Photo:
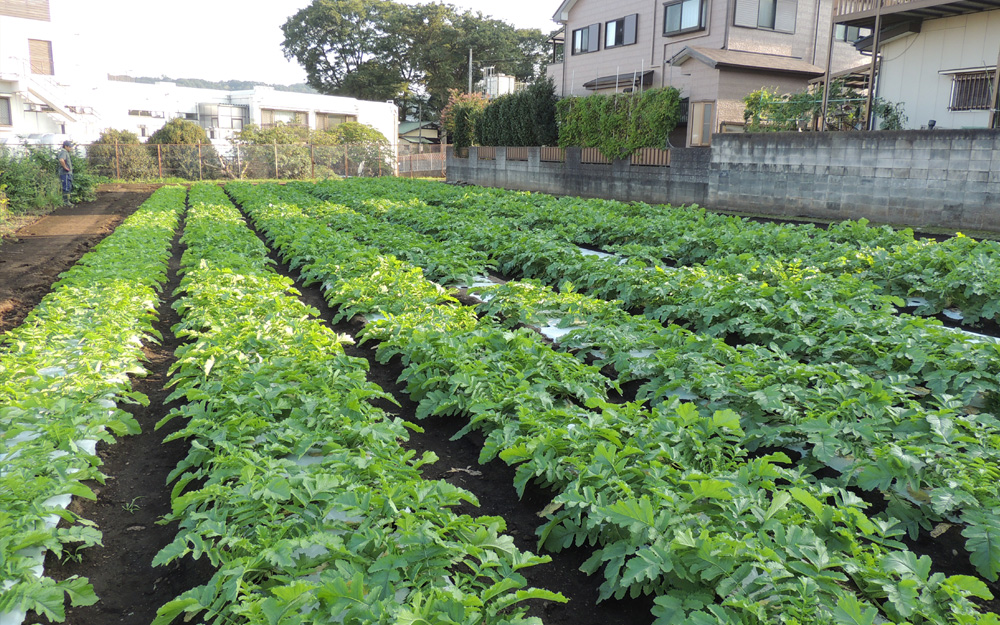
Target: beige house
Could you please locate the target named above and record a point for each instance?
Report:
(714, 51)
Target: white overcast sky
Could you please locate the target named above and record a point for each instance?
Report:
(211, 39)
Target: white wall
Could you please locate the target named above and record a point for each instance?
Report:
(911, 65)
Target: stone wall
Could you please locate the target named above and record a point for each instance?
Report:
(933, 178)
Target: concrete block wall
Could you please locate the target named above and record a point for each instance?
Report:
(684, 182)
(934, 178)
(921, 178)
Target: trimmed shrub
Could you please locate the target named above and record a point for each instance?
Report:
(526, 118)
(619, 124)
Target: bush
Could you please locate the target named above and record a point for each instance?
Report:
(619, 124)
(30, 179)
(119, 154)
(526, 118)
(185, 151)
(460, 115)
(766, 111)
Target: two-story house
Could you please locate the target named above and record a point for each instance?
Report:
(714, 51)
(939, 58)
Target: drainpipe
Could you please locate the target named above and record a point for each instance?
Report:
(876, 42)
(729, 8)
(816, 29)
(652, 44)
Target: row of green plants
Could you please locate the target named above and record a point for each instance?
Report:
(64, 373)
(668, 494)
(859, 407)
(959, 272)
(785, 305)
(296, 488)
(29, 179)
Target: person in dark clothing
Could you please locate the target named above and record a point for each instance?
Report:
(66, 170)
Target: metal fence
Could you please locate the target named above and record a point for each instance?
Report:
(122, 161)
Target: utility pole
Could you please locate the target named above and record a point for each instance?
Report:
(995, 97)
(470, 70)
(826, 78)
(876, 42)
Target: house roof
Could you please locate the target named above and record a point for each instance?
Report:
(405, 127)
(562, 13)
(725, 59)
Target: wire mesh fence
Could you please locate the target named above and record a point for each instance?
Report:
(120, 161)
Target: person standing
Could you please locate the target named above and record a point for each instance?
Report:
(66, 170)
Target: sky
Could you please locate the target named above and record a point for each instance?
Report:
(212, 39)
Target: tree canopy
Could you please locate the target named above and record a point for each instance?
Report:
(384, 50)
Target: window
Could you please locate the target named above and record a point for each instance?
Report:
(970, 91)
(620, 32)
(274, 117)
(776, 15)
(684, 16)
(329, 121)
(587, 39)
(850, 34)
(40, 56)
(5, 118)
(701, 123)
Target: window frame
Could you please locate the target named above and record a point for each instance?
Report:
(593, 40)
(705, 139)
(702, 18)
(961, 87)
(783, 15)
(842, 32)
(323, 120)
(10, 113)
(40, 59)
(622, 24)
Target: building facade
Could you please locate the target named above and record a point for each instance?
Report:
(714, 51)
(938, 58)
(44, 99)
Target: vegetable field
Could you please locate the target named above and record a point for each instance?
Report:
(715, 420)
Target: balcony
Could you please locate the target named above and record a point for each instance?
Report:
(862, 12)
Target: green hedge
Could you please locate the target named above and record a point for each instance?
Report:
(619, 124)
(526, 118)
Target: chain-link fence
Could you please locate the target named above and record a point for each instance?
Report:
(120, 161)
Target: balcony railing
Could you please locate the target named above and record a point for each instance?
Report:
(847, 7)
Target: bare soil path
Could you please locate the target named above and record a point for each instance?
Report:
(32, 259)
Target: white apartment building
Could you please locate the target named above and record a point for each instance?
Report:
(42, 104)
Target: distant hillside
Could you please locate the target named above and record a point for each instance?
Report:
(227, 85)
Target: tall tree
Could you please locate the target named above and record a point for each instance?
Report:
(379, 49)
